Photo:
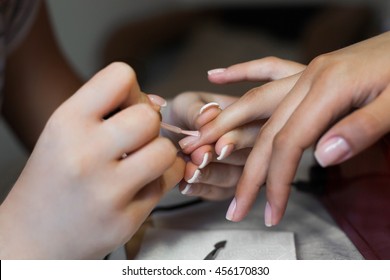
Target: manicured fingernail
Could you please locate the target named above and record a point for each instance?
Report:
(194, 177)
(208, 105)
(268, 215)
(187, 190)
(205, 160)
(226, 150)
(185, 142)
(231, 210)
(333, 151)
(216, 71)
(158, 100)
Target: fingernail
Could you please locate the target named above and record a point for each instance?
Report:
(268, 215)
(187, 190)
(158, 100)
(205, 160)
(216, 71)
(231, 210)
(194, 177)
(208, 105)
(226, 150)
(183, 143)
(332, 151)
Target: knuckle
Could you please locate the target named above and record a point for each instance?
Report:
(271, 60)
(281, 140)
(146, 112)
(123, 67)
(168, 150)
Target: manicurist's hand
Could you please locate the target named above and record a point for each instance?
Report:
(97, 171)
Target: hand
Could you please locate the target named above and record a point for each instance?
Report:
(79, 196)
(206, 175)
(342, 99)
(259, 103)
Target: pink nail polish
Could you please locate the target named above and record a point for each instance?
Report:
(158, 100)
(231, 210)
(268, 215)
(333, 151)
(187, 141)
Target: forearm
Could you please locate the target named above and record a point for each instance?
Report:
(38, 80)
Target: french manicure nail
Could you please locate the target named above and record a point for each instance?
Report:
(231, 210)
(158, 100)
(216, 71)
(226, 150)
(205, 160)
(187, 190)
(268, 215)
(194, 177)
(333, 151)
(185, 142)
(208, 105)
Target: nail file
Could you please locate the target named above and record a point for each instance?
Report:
(178, 130)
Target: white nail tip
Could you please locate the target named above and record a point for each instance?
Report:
(187, 189)
(223, 153)
(208, 105)
(216, 71)
(205, 161)
(194, 177)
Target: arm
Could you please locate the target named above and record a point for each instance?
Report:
(38, 80)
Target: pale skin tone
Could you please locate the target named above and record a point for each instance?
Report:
(339, 103)
(78, 197)
(77, 165)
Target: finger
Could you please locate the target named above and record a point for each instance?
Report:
(265, 69)
(217, 174)
(208, 192)
(204, 155)
(237, 139)
(152, 192)
(257, 166)
(193, 109)
(268, 95)
(356, 132)
(324, 103)
(108, 90)
(145, 165)
(130, 129)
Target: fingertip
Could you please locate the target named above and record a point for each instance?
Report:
(332, 151)
(225, 151)
(157, 100)
(216, 72)
(268, 215)
(217, 75)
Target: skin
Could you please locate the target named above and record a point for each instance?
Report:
(340, 95)
(81, 143)
(82, 151)
(218, 178)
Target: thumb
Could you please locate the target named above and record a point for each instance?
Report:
(355, 132)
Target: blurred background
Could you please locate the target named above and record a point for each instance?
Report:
(173, 43)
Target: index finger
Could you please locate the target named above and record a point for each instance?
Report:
(245, 110)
